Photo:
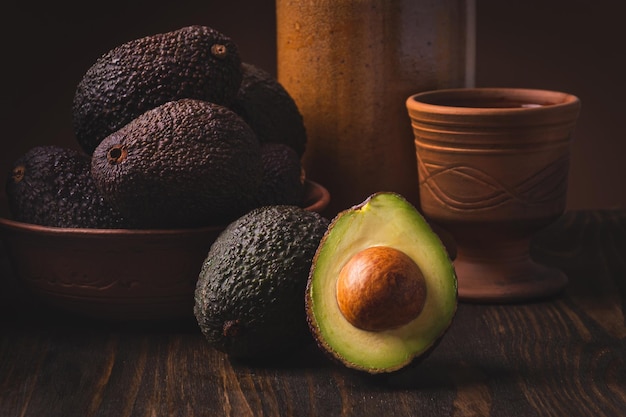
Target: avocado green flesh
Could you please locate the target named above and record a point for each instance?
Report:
(385, 219)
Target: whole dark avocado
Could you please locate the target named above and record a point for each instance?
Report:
(191, 62)
(269, 109)
(52, 186)
(282, 181)
(249, 298)
(186, 163)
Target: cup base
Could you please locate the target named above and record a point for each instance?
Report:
(487, 282)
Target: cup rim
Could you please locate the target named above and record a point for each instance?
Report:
(529, 100)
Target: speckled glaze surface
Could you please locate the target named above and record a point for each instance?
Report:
(117, 274)
(493, 166)
(350, 65)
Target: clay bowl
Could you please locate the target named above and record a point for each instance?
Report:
(117, 274)
(493, 166)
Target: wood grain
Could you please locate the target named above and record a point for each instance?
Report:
(564, 356)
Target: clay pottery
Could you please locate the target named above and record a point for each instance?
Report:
(116, 274)
(349, 65)
(493, 166)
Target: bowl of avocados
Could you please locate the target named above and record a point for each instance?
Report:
(176, 137)
(119, 274)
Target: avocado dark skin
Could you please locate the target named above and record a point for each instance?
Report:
(282, 176)
(249, 299)
(186, 163)
(269, 109)
(52, 186)
(191, 62)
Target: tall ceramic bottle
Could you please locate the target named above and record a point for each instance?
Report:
(350, 66)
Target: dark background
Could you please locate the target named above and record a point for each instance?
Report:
(574, 46)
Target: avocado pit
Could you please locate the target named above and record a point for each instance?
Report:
(380, 288)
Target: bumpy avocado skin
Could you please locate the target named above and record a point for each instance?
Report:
(383, 219)
(52, 186)
(186, 163)
(249, 295)
(191, 62)
(282, 181)
(269, 109)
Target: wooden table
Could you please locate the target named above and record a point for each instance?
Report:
(560, 357)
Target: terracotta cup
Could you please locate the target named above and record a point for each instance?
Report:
(493, 166)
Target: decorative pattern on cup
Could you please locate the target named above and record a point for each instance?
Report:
(460, 186)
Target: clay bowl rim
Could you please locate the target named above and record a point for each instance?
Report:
(432, 102)
(317, 192)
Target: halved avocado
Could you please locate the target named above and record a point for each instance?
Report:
(382, 289)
